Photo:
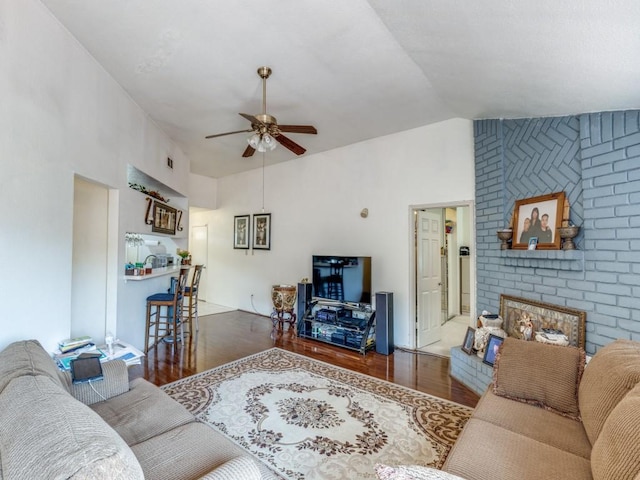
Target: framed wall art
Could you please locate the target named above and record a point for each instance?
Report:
(538, 217)
(262, 231)
(241, 231)
(531, 320)
(164, 218)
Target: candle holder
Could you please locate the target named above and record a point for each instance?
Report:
(505, 236)
(567, 234)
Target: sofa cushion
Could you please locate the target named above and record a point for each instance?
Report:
(244, 468)
(521, 373)
(616, 453)
(535, 423)
(27, 357)
(412, 472)
(484, 450)
(143, 412)
(46, 433)
(186, 452)
(612, 372)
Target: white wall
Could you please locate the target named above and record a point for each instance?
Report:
(61, 114)
(202, 191)
(90, 254)
(315, 202)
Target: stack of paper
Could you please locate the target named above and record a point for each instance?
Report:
(123, 351)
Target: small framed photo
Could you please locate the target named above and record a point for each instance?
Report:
(491, 350)
(262, 231)
(533, 243)
(241, 231)
(467, 345)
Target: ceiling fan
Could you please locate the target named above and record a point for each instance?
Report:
(265, 127)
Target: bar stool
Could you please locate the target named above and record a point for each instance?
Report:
(169, 322)
(190, 312)
(335, 283)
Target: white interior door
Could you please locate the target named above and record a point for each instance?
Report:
(429, 300)
(199, 246)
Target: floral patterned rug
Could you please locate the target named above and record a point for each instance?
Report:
(307, 419)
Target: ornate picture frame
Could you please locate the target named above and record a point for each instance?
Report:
(538, 217)
(164, 219)
(520, 314)
(241, 231)
(469, 337)
(262, 231)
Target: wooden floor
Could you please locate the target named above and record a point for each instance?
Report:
(225, 337)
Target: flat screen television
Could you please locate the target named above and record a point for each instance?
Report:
(344, 279)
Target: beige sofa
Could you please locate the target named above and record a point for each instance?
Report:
(546, 416)
(53, 429)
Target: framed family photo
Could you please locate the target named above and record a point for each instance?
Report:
(491, 350)
(467, 345)
(523, 319)
(262, 231)
(538, 217)
(164, 219)
(241, 231)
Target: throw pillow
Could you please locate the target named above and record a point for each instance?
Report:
(412, 472)
(540, 374)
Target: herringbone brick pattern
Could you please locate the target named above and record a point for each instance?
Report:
(542, 155)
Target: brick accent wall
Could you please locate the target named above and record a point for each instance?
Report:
(595, 160)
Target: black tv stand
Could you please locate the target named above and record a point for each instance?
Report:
(346, 325)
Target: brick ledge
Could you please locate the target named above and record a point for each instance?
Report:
(572, 260)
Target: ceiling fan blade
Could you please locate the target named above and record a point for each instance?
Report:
(249, 151)
(290, 144)
(298, 129)
(228, 133)
(251, 118)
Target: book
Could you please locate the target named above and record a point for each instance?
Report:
(75, 341)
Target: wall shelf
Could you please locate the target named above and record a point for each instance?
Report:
(572, 260)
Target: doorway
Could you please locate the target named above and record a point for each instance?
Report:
(443, 275)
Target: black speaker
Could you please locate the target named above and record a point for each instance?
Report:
(384, 323)
(304, 299)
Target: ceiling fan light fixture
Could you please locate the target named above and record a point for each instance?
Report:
(268, 141)
(254, 140)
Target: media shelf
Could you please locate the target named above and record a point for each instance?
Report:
(340, 324)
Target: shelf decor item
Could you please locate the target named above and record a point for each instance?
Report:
(567, 234)
(505, 235)
(467, 345)
(284, 299)
(185, 256)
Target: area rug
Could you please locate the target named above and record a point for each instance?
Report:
(307, 419)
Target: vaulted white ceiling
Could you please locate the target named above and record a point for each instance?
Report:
(356, 69)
